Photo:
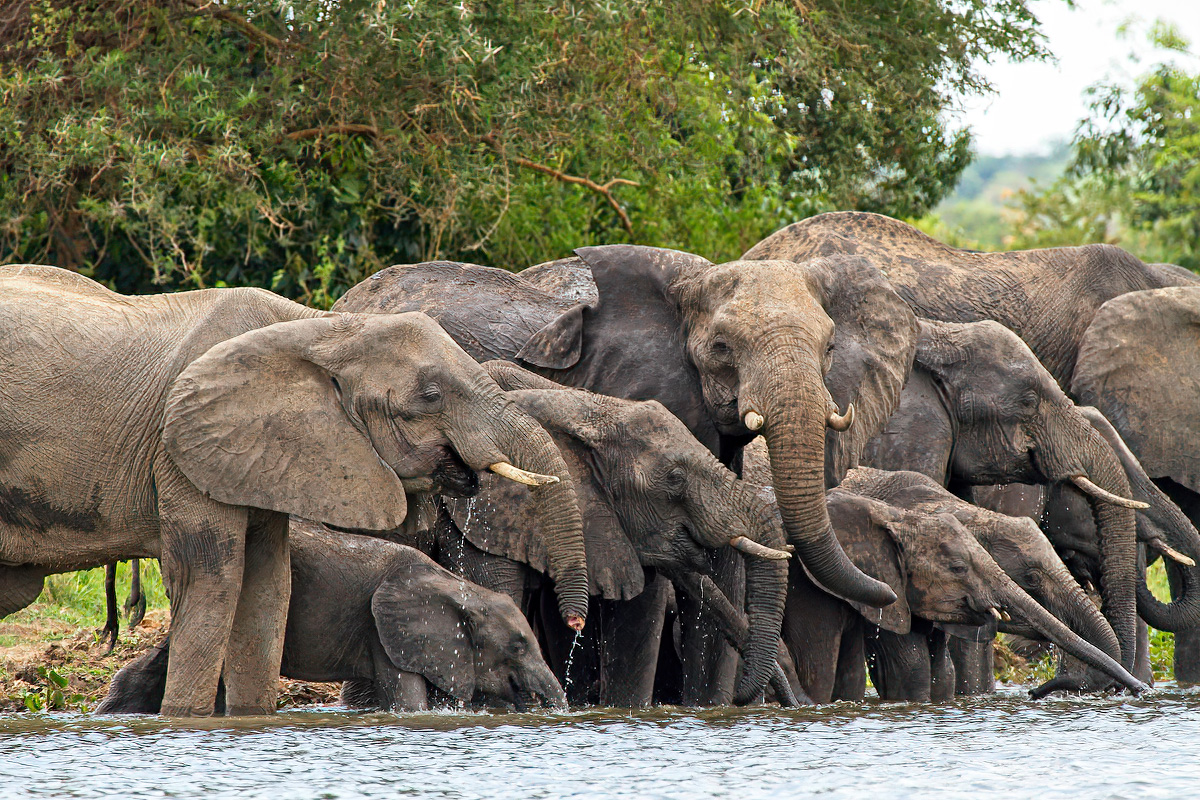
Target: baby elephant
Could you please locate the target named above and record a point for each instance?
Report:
(400, 630)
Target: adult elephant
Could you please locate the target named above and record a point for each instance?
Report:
(383, 618)
(731, 349)
(1047, 297)
(654, 502)
(187, 427)
(980, 409)
(1139, 364)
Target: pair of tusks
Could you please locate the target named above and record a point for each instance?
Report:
(839, 422)
(1170, 552)
(1087, 487)
(753, 548)
(507, 470)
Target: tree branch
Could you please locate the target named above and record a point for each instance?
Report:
(603, 189)
(324, 130)
(241, 23)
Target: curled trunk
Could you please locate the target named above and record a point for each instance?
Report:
(794, 408)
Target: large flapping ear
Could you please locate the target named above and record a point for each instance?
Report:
(874, 339)
(863, 527)
(632, 289)
(257, 421)
(1139, 364)
(424, 627)
(501, 519)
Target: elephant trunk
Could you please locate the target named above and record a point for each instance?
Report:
(1165, 523)
(1068, 602)
(1116, 528)
(794, 409)
(766, 593)
(528, 446)
(1014, 599)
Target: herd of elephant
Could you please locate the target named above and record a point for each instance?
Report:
(631, 476)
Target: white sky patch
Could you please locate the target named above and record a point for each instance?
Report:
(1036, 104)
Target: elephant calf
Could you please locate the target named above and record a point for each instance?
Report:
(400, 631)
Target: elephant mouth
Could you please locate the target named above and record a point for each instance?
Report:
(452, 477)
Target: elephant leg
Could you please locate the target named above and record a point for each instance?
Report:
(20, 586)
(135, 604)
(813, 626)
(395, 689)
(1187, 641)
(629, 645)
(256, 639)
(900, 665)
(851, 680)
(710, 664)
(974, 666)
(572, 657)
(941, 671)
(112, 625)
(203, 554)
(1141, 663)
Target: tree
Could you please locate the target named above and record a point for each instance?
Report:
(1134, 175)
(303, 145)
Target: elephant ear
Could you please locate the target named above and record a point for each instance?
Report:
(633, 307)
(874, 340)
(500, 520)
(256, 421)
(425, 628)
(1139, 364)
(864, 529)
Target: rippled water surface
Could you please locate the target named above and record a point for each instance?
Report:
(1002, 745)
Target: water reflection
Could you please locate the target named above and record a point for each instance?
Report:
(998, 746)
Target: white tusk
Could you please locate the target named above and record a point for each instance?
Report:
(1087, 487)
(506, 470)
(1170, 552)
(996, 613)
(753, 548)
(753, 420)
(840, 422)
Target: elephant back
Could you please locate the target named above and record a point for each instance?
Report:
(489, 312)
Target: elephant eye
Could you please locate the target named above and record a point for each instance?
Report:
(337, 387)
(675, 481)
(958, 568)
(431, 393)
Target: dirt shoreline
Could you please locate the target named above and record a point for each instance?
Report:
(54, 666)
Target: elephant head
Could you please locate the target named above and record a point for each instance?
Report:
(338, 417)
(651, 496)
(744, 347)
(471, 643)
(981, 409)
(1016, 544)
(944, 574)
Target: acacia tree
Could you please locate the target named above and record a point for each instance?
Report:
(303, 145)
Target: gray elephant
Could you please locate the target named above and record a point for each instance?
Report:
(1016, 571)
(731, 349)
(402, 632)
(1139, 364)
(655, 504)
(187, 427)
(979, 409)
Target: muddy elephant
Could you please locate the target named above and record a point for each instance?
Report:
(187, 427)
(980, 409)
(402, 632)
(1139, 364)
(656, 504)
(1048, 297)
(731, 349)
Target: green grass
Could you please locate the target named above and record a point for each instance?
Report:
(77, 598)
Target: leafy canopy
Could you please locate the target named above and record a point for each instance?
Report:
(1134, 175)
(303, 145)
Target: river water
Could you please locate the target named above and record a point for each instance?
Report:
(999, 746)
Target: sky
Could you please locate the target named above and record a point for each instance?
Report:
(1036, 104)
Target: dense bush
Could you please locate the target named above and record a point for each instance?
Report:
(302, 145)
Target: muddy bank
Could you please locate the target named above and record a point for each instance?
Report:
(50, 665)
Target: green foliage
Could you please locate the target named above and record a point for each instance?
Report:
(77, 598)
(300, 146)
(52, 694)
(1134, 178)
